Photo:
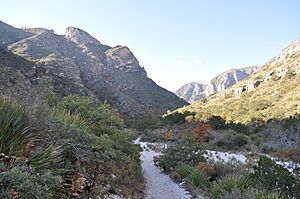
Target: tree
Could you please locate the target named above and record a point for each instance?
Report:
(202, 131)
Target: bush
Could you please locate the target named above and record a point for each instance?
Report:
(222, 169)
(273, 177)
(181, 153)
(250, 194)
(199, 179)
(28, 184)
(228, 184)
(184, 170)
(177, 118)
(95, 145)
(229, 139)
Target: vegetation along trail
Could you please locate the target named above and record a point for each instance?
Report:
(159, 185)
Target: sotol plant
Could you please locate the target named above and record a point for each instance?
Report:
(14, 134)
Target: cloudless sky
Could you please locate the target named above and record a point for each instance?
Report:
(176, 41)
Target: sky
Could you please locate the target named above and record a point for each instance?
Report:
(177, 42)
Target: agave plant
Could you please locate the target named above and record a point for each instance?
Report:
(14, 133)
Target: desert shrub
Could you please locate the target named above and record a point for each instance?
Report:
(194, 176)
(95, 145)
(184, 170)
(217, 122)
(26, 183)
(273, 177)
(147, 122)
(199, 179)
(222, 169)
(176, 117)
(229, 139)
(100, 116)
(228, 184)
(240, 140)
(251, 194)
(183, 152)
(52, 99)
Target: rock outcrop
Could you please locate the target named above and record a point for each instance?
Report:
(193, 92)
(79, 36)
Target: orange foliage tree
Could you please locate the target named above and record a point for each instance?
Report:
(202, 131)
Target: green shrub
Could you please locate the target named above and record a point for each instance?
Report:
(273, 177)
(250, 194)
(183, 152)
(28, 183)
(267, 195)
(184, 170)
(177, 118)
(228, 184)
(221, 169)
(230, 139)
(199, 179)
(240, 140)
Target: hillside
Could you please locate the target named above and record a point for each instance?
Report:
(272, 92)
(77, 63)
(193, 92)
(9, 34)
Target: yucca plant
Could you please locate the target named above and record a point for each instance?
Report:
(44, 159)
(70, 120)
(228, 184)
(14, 130)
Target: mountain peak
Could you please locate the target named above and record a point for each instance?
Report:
(122, 57)
(79, 36)
(194, 91)
(289, 51)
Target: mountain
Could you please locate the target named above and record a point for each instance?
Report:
(77, 63)
(9, 34)
(193, 91)
(272, 92)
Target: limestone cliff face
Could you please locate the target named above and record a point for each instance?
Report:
(78, 63)
(79, 36)
(193, 92)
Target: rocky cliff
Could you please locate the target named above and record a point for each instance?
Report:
(193, 92)
(77, 63)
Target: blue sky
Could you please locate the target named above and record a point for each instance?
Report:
(176, 41)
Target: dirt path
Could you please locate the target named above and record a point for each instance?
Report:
(159, 185)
